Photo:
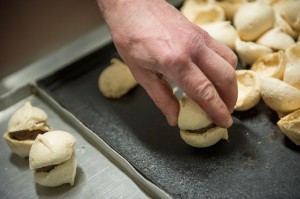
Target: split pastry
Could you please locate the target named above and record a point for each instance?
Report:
(116, 80)
(276, 39)
(292, 71)
(248, 90)
(53, 159)
(279, 95)
(290, 13)
(253, 19)
(23, 127)
(196, 128)
(290, 126)
(270, 65)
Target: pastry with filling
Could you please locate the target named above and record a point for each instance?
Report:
(116, 80)
(53, 159)
(23, 127)
(196, 128)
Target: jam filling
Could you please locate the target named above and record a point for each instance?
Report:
(202, 130)
(25, 134)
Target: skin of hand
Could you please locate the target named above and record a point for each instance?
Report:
(155, 40)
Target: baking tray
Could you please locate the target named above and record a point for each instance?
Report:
(97, 176)
(258, 161)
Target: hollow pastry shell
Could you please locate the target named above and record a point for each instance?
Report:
(292, 71)
(248, 90)
(290, 126)
(270, 65)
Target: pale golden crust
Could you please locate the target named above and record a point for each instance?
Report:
(201, 140)
(248, 89)
(196, 128)
(270, 65)
(116, 80)
(290, 126)
(279, 95)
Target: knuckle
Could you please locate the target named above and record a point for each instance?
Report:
(207, 92)
(233, 60)
(230, 76)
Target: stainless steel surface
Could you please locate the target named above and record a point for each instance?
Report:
(97, 177)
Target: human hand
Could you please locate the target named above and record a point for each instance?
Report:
(155, 40)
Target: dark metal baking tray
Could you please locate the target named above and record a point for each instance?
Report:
(258, 161)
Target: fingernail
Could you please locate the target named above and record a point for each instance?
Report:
(231, 111)
(171, 120)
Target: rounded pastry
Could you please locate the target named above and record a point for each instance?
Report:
(292, 71)
(222, 31)
(52, 157)
(249, 52)
(270, 65)
(253, 19)
(276, 39)
(230, 7)
(290, 126)
(279, 95)
(116, 80)
(280, 22)
(196, 128)
(290, 13)
(23, 127)
(248, 89)
(61, 174)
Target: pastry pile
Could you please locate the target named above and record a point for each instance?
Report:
(51, 153)
(265, 34)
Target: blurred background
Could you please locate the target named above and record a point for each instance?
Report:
(32, 29)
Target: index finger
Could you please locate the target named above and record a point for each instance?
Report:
(198, 87)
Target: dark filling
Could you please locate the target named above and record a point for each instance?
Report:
(202, 130)
(25, 134)
(46, 169)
